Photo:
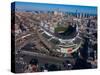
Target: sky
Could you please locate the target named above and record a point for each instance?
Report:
(49, 7)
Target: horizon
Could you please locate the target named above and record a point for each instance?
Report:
(55, 7)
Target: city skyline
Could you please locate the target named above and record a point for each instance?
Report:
(58, 7)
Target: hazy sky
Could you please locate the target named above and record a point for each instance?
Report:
(68, 8)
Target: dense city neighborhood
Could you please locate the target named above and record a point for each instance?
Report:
(54, 40)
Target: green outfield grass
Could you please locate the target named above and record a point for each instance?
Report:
(60, 29)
